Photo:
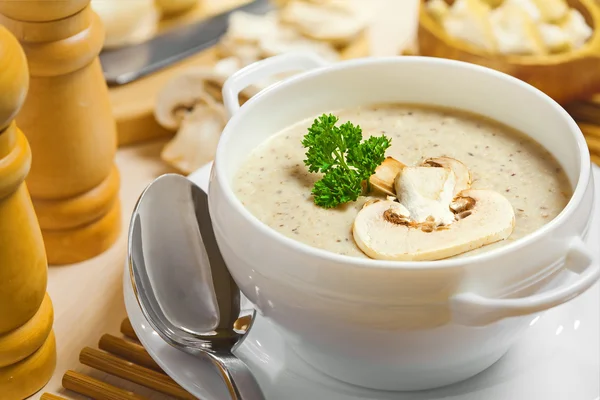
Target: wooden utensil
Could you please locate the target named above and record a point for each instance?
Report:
(127, 370)
(96, 389)
(127, 330)
(50, 396)
(128, 350)
(564, 77)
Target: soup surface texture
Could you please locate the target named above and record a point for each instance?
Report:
(275, 186)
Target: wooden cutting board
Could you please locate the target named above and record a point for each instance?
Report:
(133, 103)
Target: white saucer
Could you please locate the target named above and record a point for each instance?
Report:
(558, 358)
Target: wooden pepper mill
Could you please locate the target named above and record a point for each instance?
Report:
(68, 121)
(27, 345)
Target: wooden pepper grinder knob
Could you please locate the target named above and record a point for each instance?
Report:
(27, 345)
(68, 121)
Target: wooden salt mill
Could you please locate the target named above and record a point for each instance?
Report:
(68, 121)
(27, 345)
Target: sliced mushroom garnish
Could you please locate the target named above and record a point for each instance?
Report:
(491, 219)
(196, 141)
(463, 176)
(427, 193)
(385, 175)
(337, 22)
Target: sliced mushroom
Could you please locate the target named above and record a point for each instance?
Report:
(462, 173)
(491, 219)
(287, 40)
(246, 53)
(182, 93)
(250, 28)
(196, 141)
(427, 193)
(332, 21)
(385, 174)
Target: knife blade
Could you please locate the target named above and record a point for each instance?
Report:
(127, 64)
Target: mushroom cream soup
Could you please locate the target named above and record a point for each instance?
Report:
(505, 166)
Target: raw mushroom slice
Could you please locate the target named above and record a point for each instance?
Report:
(196, 141)
(462, 173)
(427, 193)
(250, 28)
(334, 21)
(382, 232)
(213, 85)
(227, 66)
(192, 86)
(385, 175)
(247, 53)
(182, 93)
(287, 40)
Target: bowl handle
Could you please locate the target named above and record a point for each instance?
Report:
(475, 310)
(264, 69)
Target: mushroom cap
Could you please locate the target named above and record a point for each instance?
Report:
(492, 219)
(196, 141)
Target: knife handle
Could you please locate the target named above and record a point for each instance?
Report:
(260, 70)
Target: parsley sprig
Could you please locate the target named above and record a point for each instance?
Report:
(338, 153)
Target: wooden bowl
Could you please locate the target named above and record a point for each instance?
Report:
(564, 76)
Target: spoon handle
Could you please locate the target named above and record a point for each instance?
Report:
(240, 382)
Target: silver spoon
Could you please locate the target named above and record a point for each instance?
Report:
(181, 282)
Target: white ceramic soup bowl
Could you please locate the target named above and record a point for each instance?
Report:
(399, 325)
